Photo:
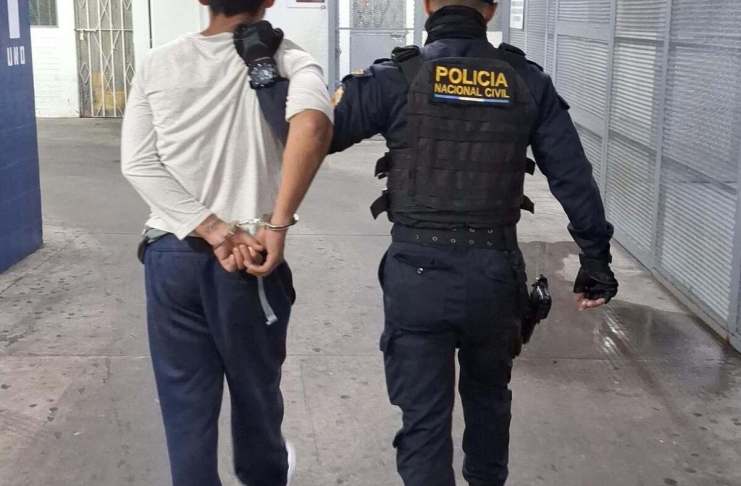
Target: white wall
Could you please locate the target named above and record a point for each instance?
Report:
(171, 19)
(55, 65)
(189, 17)
(306, 26)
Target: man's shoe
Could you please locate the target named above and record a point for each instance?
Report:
(291, 462)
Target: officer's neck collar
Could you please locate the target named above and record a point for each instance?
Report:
(455, 22)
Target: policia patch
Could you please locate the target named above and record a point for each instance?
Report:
(467, 85)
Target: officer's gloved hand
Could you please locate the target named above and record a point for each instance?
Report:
(257, 42)
(595, 282)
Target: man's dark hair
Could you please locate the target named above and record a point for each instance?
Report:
(231, 8)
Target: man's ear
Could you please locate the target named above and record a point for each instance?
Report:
(268, 3)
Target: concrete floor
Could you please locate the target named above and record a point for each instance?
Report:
(636, 394)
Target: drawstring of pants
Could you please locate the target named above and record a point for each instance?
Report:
(270, 316)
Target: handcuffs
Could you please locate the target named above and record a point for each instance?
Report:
(263, 222)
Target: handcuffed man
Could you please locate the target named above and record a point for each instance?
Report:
(200, 152)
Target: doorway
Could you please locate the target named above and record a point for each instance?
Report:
(105, 56)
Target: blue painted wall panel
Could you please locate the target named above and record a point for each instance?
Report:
(20, 198)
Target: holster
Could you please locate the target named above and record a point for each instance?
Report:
(539, 307)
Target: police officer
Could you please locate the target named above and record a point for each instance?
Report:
(458, 116)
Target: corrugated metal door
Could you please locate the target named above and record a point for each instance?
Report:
(105, 49)
(535, 21)
(550, 42)
(581, 62)
(701, 154)
(517, 36)
(636, 90)
(655, 94)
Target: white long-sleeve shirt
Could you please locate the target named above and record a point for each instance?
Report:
(194, 139)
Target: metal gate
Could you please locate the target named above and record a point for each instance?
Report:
(371, 29)
(654, 90)
(105, 52)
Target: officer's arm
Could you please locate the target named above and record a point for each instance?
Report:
(560, 156)
(359, 110)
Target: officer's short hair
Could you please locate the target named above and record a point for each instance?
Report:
(235, 7)
(477, 4)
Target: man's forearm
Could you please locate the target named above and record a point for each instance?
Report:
(308, 142)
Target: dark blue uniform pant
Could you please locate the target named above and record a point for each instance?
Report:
(206, 324)
(437, 300)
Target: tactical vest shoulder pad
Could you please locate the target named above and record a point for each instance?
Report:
(510, 48)
(402, 54)
(409, 61)
(358, 73)
(535, 64)
(381, 60)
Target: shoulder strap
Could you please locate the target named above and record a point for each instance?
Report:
(273, 106)
(409, 60)
(511, 54)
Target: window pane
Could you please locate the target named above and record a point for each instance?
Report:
(43, 12)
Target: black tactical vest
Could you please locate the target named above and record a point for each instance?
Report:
(469, 122)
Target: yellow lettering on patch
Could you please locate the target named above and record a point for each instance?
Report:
(454, 84)
(455, 76)
(440, 73)
(483, 78)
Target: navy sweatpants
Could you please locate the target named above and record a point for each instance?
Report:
(204, 325)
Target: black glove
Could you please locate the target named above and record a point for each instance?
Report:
(596, 280)
(257, 44)
(258, 41)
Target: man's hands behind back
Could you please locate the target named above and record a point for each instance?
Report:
(274, 243)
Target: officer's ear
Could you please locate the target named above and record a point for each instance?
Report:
(489, 12)
(428, 7)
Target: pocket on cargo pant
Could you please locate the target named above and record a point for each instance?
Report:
(416, 290)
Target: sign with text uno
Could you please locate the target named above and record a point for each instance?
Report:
(20, 199)
(16, 54)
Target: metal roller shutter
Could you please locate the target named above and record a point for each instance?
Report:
(630, 191)
(535, 19)
(517, 38)
(593, 11)
(641, 19)
(702, 140)
(696, 236)
(550, 37)
(592, 143)
(633, 127)
(699, 104)
(659, 116)
(581, 73)
(636, 89)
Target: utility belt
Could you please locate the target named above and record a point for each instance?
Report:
(502, 238)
